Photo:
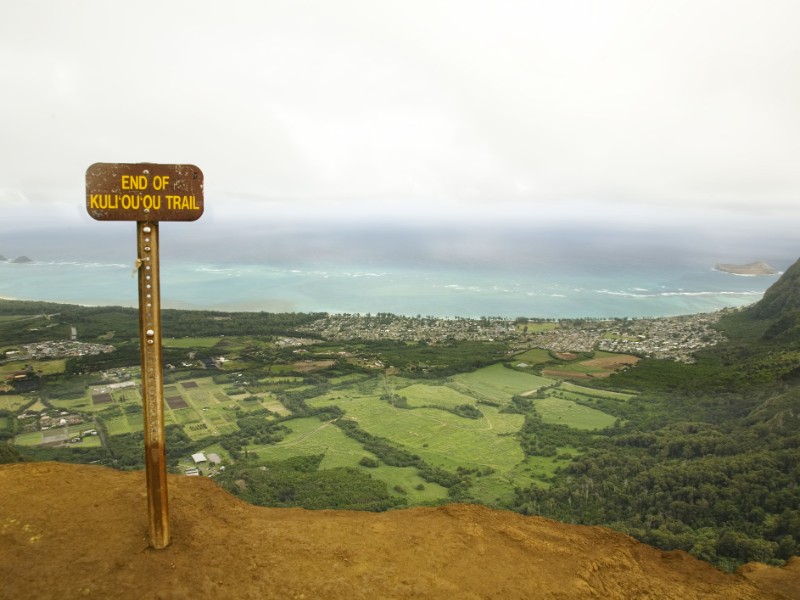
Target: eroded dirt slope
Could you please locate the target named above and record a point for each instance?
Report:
(75, 531)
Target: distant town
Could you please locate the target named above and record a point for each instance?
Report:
(675, 338)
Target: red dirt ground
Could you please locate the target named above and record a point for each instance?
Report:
(77, 531)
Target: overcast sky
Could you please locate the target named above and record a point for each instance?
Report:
(643, 109)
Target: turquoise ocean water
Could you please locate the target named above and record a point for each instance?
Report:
(602, 290)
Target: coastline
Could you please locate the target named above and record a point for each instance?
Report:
(426, 290)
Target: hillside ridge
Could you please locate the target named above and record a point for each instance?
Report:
(73, 531)
(781, 299)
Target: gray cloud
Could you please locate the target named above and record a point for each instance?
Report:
(415, 110)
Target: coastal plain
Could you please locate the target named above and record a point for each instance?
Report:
(594, 421)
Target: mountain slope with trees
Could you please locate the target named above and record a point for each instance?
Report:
(709, 459)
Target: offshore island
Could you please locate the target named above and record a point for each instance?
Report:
(753, 268)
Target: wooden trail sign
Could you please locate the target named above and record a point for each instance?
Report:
(144, 192)
(148, 193)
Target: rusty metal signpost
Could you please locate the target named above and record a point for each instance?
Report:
(148, 193)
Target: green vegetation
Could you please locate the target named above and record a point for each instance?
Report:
(565, 412)
(702, 457)
(12, 402)
(191, 342)
(298, 481)
(498, 383)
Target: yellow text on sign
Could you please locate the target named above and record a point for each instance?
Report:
(137, 201)
(140, 182)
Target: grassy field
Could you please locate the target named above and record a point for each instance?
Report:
(12, 401)
(37, 406)
(594, 392)
(191, 342)
(449, 441)
(311, 436)
(534, 356)
(59, 434)
(439, 437)
(498, 383)
(12, 318)
(419, 395)
(44, 367)
(352, 378)
(559, 411)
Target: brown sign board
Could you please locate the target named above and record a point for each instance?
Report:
(144, 192)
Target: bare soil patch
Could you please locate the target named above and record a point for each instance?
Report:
(176, 402)
(95, 545)
(307, 366)
(103, 398)
(612, 363)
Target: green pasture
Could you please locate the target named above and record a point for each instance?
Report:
(59, 434)
(414, 488)
(595, 392)
(117, 425)
(136, 421)
(498, 383)
(12, 318)
(534, 356)
(276, 407)
(12, 402)
(190, 342)
(50, 367)
(30, 438)
(37, 406)
(439, 437)
(43, 367)
(82, 404)
(559, 411)
(351, 378)
(311, 436)
(420, 394)
(409, 480)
